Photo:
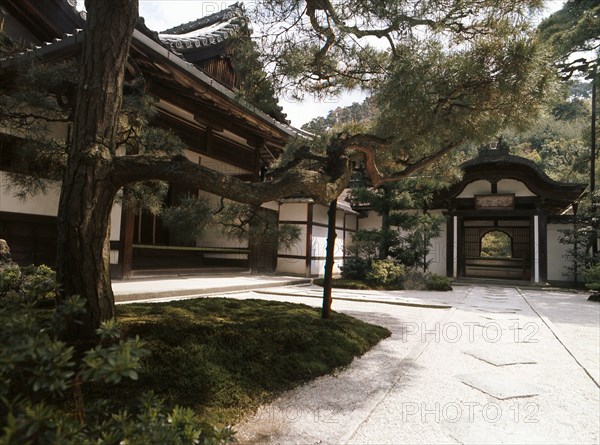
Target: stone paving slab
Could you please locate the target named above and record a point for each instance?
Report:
(499, 358)
(574, 320)
(500, 385)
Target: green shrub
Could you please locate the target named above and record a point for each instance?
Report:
(414, 279)
(385, 272)
(355, 268)
(438, 282)
(592, 278)
(343, 283)
(365, 244)
(41, 376)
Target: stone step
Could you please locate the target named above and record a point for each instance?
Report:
(188, 272)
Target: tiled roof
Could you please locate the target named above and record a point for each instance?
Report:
(207, 31)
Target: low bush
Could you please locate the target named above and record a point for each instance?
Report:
(355, 268)
(592, 278)
(385, 272)
(438, 282)
(343, 283)
(414, 279)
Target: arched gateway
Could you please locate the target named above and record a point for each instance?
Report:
(504, 199)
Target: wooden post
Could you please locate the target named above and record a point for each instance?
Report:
(327, 280)
(309, 239)
(593, 167)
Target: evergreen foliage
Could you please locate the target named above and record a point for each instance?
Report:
(579, 239)
(558, 140)
(592, 278)
(358, 113)
(385, 272)
(574, 30)
(255, 85)
(41, 377)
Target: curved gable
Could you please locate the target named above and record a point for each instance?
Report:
(495, 171)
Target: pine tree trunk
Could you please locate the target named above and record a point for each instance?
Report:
(329, 260)
(88, 188)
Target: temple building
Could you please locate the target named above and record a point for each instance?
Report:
(509, 198)
(510, 195)
(190, 71)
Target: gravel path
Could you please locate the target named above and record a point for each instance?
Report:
(502, 365)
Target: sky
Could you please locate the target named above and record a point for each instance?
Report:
(163, 14)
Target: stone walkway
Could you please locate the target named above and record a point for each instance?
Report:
(497, 365)
(193, 286)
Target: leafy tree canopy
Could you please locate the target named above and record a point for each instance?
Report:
(574, 30)
(449, 71)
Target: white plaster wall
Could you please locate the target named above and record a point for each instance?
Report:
(319, 242)
(480, 187)
(437, 255)
(320, 214)
(115, 222)
(271, 205)
(514, 186)
(212, 236)
(351, 222)
(300, 247)
(41, 204)
(293, 211)
(372, 221)
(349, 239)
(115, 231)
(318, 268)
(556, 253)
(214, 164)
(339, 218)
(294, 266)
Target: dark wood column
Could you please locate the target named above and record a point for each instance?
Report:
(532, 247)
(543, 246)
(460, 248)
(449, 245)
(309, 228)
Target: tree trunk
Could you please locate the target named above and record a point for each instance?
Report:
(594, 207)
(88, 187)
(329, 259)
